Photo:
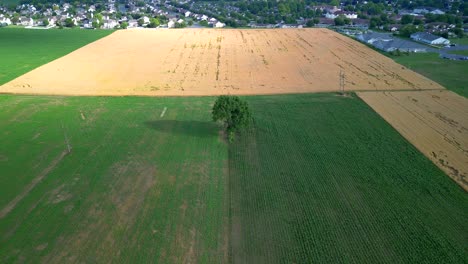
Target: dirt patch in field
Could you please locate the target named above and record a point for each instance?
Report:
(213, 62)
(109, 213)
(3, 158)
(435, 122)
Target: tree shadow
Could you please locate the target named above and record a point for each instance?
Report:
(190, 128)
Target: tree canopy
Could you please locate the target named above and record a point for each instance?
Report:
(233, 112)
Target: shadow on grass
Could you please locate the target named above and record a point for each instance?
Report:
(190, 128)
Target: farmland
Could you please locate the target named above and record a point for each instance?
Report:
(319, 177)
(22, 50)
(323, 179)
(433, 121)
(213, 62)
(136, 187)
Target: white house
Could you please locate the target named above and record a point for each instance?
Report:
(180, 21)
(5, 20)
(219, 25)
(146, 20)
(24, 21)
(372, 37)
(187, 14)
(171, 24)
(350, 15)
(109, 23)
(132, 23)
(437, 12)
(204, 17)
(331, 15)
(420, 11)
(429, 38)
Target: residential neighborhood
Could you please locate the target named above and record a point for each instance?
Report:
(389, 27)
(104, 15)
(447, 20)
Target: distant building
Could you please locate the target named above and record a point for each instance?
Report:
(171, 24)
(4, 20)
(401, 45)
(219, 25)
(25, 21)
(388, 43)
(429, 38)
(372, 37)
(394, 27)
(132, 23)
(109, 24)
(437, 12)
(420, 10)
(146, 20)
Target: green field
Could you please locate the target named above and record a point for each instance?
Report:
(136, 188)
(459, 41)
(324, 179)
(449, 73)
(459, 52)
(22, 50)
(319, 178)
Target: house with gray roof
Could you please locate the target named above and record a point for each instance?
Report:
(371, 37)
(428, 38)
(401, 45)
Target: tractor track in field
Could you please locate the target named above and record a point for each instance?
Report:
(11, 205)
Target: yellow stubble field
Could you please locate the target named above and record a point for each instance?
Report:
(212, 62)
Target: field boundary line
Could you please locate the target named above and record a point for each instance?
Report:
(11, 205)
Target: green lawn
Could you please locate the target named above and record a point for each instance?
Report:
(22, 50)
(324, 179)
(136, 188)
(459, 41)
(449, 73)
(459, 52)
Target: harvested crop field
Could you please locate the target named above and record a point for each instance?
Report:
(433, 121)
(213, 62)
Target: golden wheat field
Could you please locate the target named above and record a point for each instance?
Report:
(213, 62)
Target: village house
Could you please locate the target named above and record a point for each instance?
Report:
(219, 25)
(372, 37)
(171, 24)
(401, 45)
(26, 21)
(109, 23)
(145, 20)
(132, 23)
(350, 15)
(4, 20)
(394, 27)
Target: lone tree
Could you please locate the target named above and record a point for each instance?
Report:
(233, 112)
